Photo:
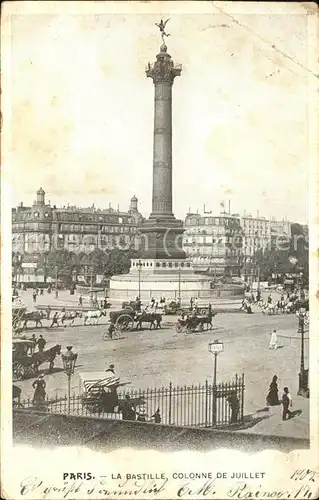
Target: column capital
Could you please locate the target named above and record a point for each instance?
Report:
(163, 70)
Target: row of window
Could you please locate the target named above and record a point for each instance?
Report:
(89, 228)
(212, 221)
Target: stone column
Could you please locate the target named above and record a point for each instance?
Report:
(163, 72)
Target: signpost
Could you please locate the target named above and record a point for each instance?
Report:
(215, 347)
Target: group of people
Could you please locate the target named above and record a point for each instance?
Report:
(273, 399)
(40, 342)
(35, 293)
(58, 318)
(150, 307)
(94, 302)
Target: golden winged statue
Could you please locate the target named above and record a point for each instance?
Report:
(161, 26)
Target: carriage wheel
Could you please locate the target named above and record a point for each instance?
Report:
(18, 371)
(178, 327)
(124, 323)
(202, 311)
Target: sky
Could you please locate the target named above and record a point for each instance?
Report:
(82, 108)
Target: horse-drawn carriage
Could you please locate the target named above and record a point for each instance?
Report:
(190, 323)
(26, 362)
(125, 320)
(99, 394)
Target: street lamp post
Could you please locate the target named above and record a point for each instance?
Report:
(294, 261)
(69, 358)
(139, 268)
(303, 374)
(179, 285)
(56, 282)
(215, 347)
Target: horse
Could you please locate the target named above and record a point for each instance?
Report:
(35, 316)
(49, 355)
(70, 316)
(154, 319)
(207, 320)
(93, 316)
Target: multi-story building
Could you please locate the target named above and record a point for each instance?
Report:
(280, 231)
(256, 235)
(44, 228)
(214, 243)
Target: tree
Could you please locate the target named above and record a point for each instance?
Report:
(61, 263)
(277, 260)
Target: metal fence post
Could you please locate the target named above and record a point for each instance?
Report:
(242, 397)
(170, 404)
(214, 404)
(206, 402)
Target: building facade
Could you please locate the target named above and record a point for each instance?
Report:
(45, 228)
(214, 244)
(280, 233)
(256, 235)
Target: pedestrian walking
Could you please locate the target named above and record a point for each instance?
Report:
(48, 312)
(80, 300)
(39, 386)
(269, 300)
(61, 317)
(273, 340)
(286, 402)
(54, 320)
(272, 397)
(34, 296)
(41, 343)
(233, 402)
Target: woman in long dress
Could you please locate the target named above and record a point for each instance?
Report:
(39, 386)
(273, 340)
(272, 398)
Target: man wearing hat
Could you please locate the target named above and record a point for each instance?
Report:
(41, 343)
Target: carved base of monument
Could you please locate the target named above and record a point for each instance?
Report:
(170, 277)
(162, 238)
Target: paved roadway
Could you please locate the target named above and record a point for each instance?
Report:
(154, 358)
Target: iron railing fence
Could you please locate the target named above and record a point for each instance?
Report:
(202, 405)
